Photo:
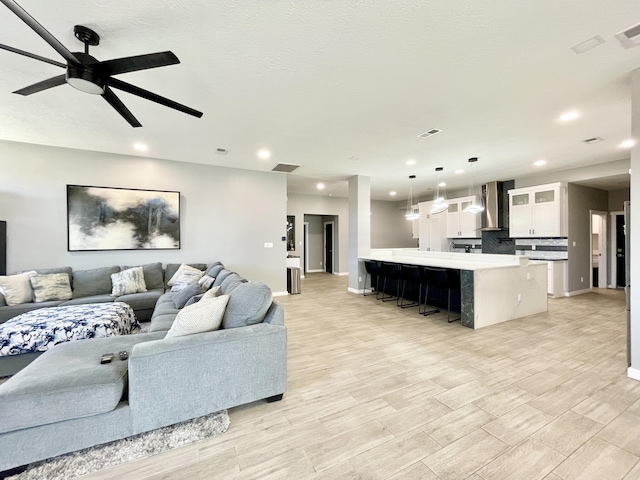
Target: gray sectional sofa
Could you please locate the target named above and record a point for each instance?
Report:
(67, 400)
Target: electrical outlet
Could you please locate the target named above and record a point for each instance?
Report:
(320, 263)
(359, 279)
(519, 297)
(528, 275)
(581, 279)
(268, 245)
(533, 247)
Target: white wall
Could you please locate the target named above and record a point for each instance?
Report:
(389, 228)
(226, 214)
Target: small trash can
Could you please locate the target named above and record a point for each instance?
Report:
(293, 280)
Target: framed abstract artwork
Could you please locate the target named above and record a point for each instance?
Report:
(103, 218)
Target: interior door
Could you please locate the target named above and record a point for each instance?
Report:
(328, 247)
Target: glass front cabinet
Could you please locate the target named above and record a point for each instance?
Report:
(539, 211)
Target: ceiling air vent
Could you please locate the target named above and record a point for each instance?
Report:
(429, 133)
(630, 37)
(222, 151)
(591, 140)
(284, 167)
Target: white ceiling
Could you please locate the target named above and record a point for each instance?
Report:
(340, 87)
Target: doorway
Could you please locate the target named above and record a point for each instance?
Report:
(328, 246)
(599, 259)
(618, 251)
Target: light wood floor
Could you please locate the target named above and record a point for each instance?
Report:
(380, 392)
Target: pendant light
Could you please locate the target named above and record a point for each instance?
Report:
(475, 206)
(439, 200)
(412, 206)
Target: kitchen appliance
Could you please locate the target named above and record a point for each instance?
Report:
(496, 201)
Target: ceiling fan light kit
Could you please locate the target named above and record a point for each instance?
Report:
(89, 75)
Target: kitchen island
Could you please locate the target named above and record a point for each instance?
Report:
(493, 288)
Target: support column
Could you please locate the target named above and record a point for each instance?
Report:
(359, 227)
(634, 228)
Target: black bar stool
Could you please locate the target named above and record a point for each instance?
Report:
(453, 283)
(372, 270)
(390, 271)
(410, 274)
(436, 278)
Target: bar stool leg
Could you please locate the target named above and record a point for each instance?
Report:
(449, 320)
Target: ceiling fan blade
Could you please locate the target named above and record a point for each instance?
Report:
(44, 85)
(116, 103)
(40, 30)
(32, 55)
(139, 62)
(127, 87)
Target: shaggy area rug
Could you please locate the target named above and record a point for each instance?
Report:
(92, 459)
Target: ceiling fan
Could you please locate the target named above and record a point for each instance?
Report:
(89, 75)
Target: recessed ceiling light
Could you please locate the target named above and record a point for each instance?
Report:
(442, 184)
(628, 143)
(141, 147)
(568, 116)
(539, 163)
(411, 161)
(320, 186)
(459, 171)
(264, 154)
(393, 194)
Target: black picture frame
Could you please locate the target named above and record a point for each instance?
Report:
(112, 218)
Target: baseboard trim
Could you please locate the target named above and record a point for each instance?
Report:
(280, 294)
(341, 274)
(359, 291)
(577, 292)
(633, 373)
(315, 271)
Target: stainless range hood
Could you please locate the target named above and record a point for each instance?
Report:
(496, 205)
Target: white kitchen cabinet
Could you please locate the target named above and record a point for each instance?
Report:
(415, 227)
(461, 224)
(539, 211)
(432, 229)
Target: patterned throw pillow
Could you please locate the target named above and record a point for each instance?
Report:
(187, 277)
(204, 316)
(206, 281)
(183, 268)
(53, 286)
(17, 288)
(128, 281)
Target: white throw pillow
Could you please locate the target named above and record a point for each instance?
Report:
(182, 268)
(17, 288)
(187, 277)
(206, 281)
(53, 286)
(128, 281)
(204, 316)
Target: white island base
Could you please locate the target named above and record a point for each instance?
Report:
(493, 288)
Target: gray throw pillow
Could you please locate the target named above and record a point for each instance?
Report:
(230, 282)
(96, 281)
(248, 304)
(182, 297)
(214, 269)
(224, 273)
(194, 299)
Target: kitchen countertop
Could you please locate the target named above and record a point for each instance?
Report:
(459, 261)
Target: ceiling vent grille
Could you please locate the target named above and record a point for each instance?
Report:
(630, 37)
(222, 151)
(284, 167)
(429, 133)
(591, 140)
